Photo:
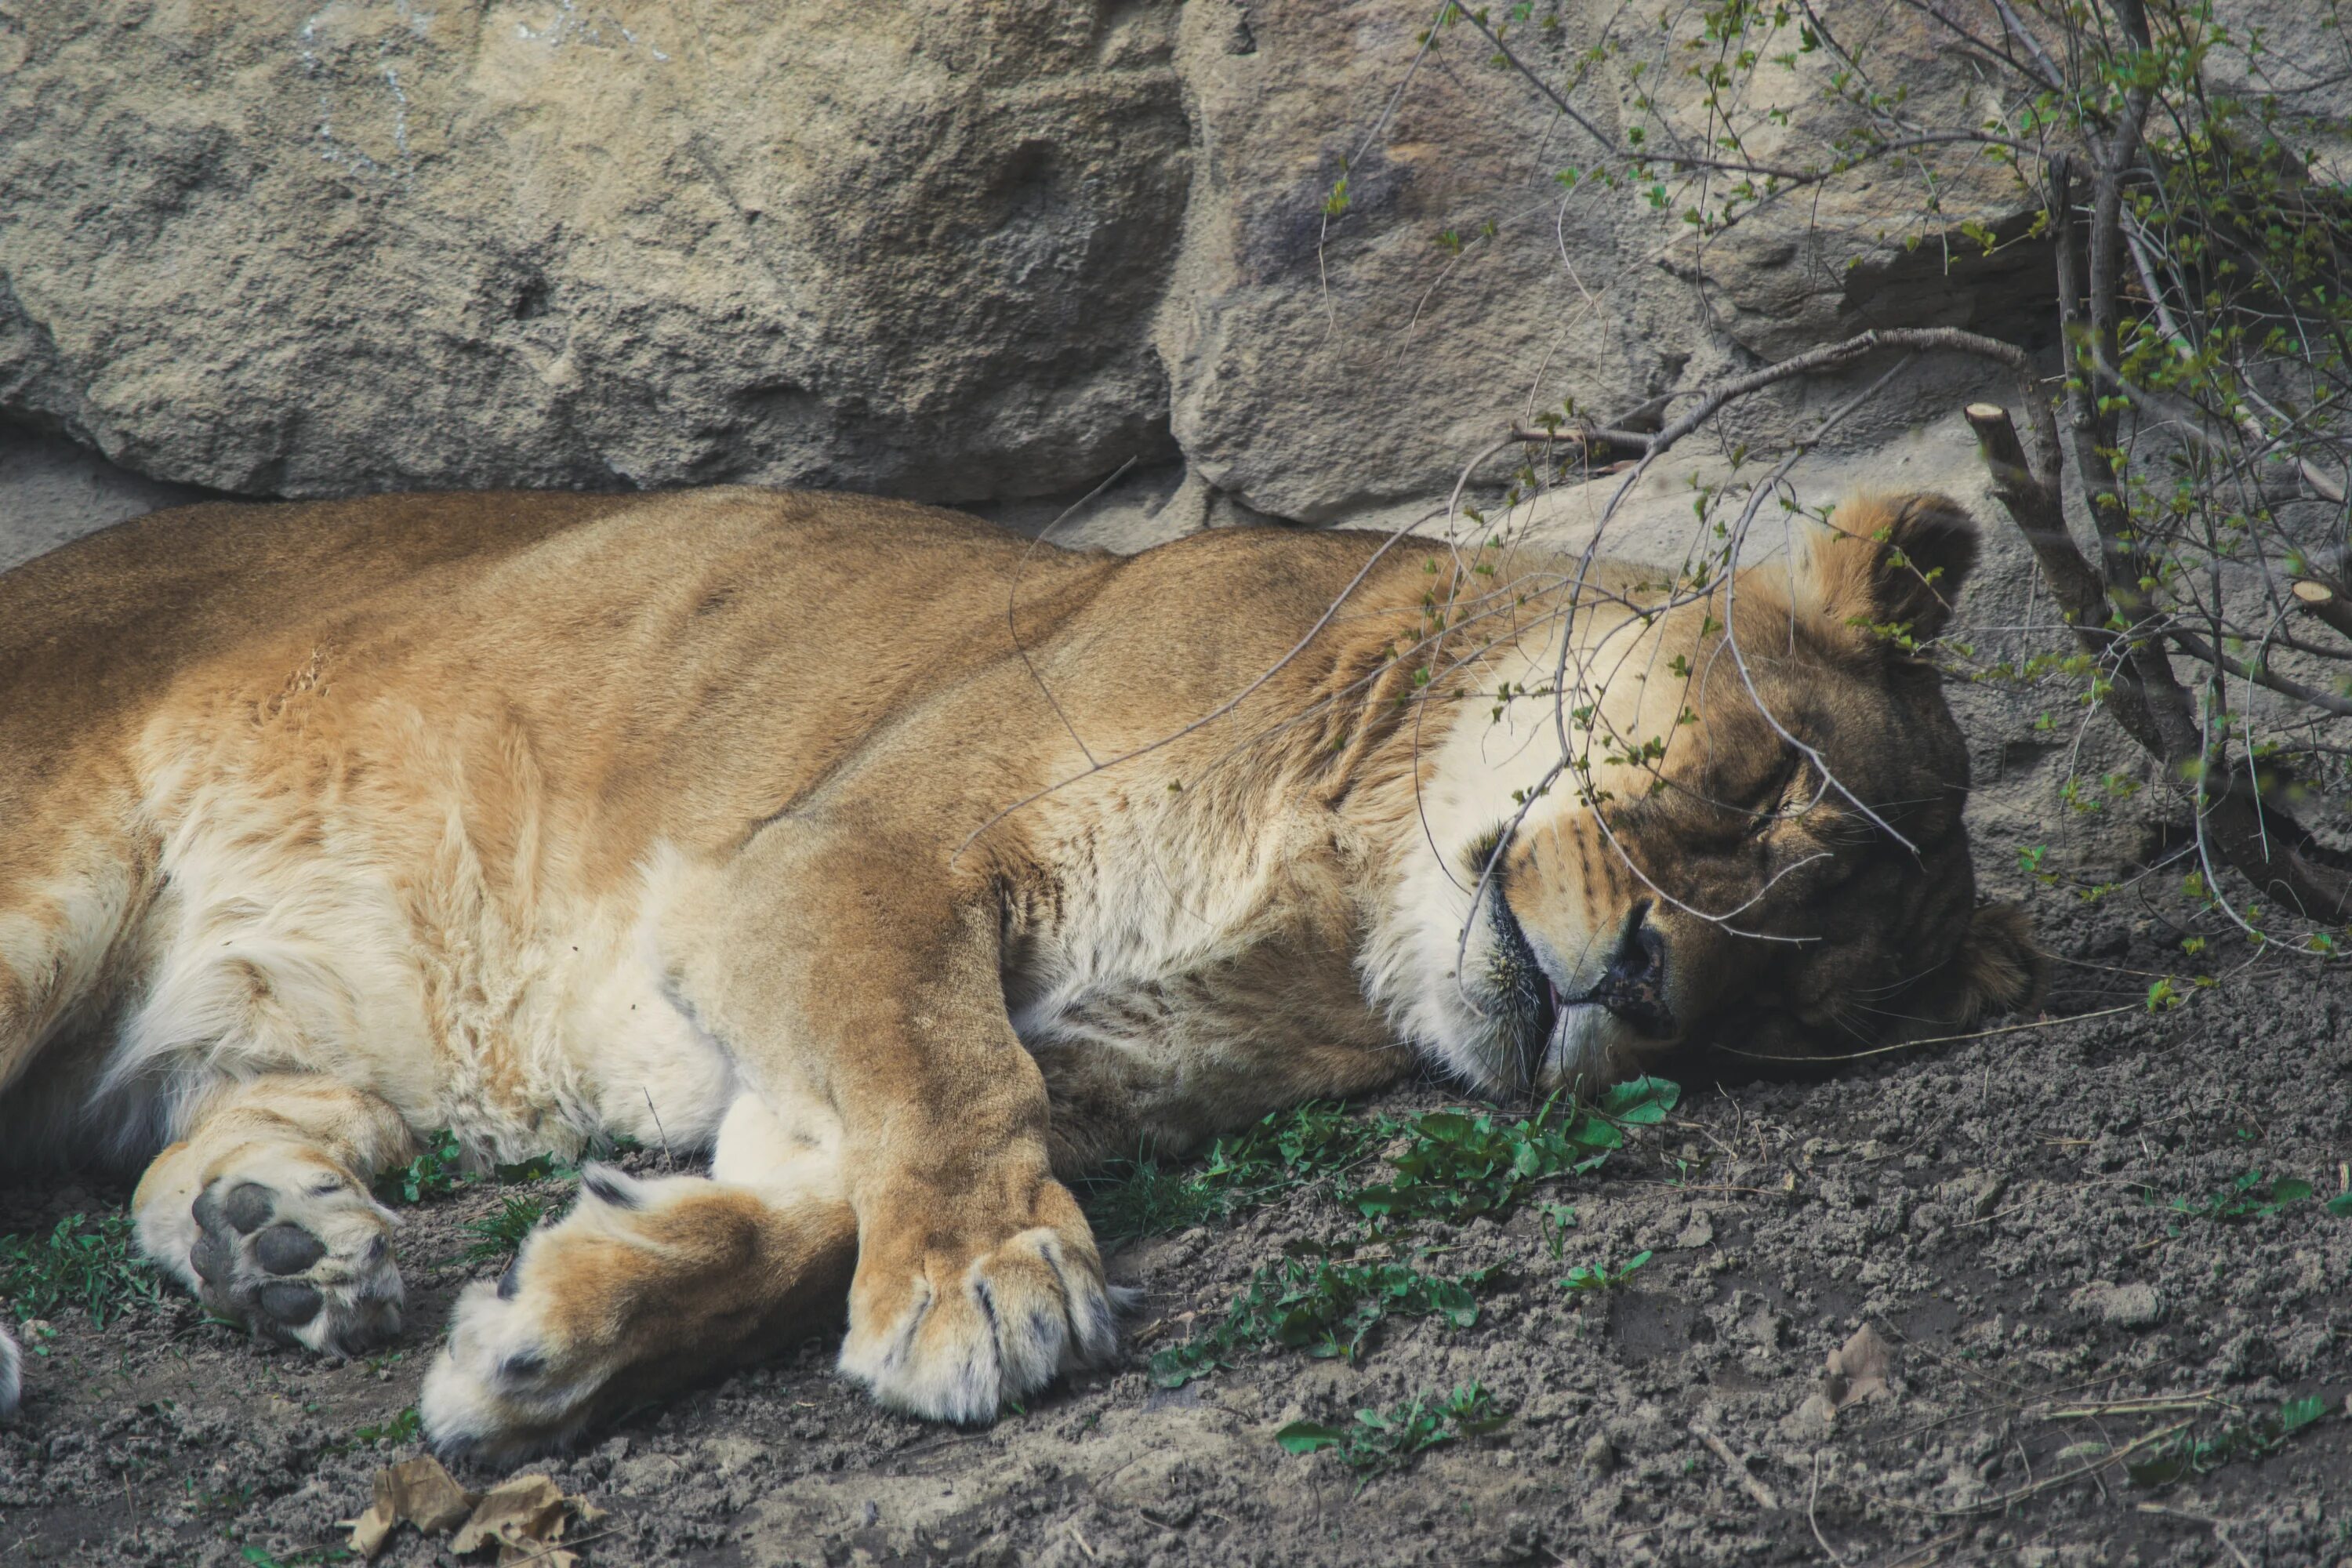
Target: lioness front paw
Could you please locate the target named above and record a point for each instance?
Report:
(281, 1238)
(302, 1255)
(957, 1335)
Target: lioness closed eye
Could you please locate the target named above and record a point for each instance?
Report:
(907, 869)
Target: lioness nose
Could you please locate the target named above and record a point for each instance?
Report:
(1633, 986)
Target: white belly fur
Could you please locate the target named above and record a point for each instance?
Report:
(426, 990)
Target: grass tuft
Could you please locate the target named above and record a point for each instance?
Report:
(1327, 1307)
(1286, 1151)
(87, 1260)
(499, 1234)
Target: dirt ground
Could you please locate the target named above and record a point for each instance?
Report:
(2080, 1368)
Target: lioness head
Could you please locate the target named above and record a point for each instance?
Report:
(1680, 839)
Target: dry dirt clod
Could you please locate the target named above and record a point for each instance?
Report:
(2125, 1306)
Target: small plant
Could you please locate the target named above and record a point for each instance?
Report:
(1600, 1275)
(1325, 1307)
(1456, 1165)
(436, 1173)
(1380, 1441)
(499, 1234)
(442, 1167)
(86, 1261)
(1556, 1221)
(402, 1428)
(2249, 1197)
(2188, 1455)
(1288, 1149)
(257, 1558)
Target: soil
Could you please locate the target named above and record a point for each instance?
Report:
(1998, 1210)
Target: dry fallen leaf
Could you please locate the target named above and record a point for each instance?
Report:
(1857, 1368)
(524, 1516)
(415, 1491)
(517, 1509)
(371, 1530)
(1855, 1371)
(536, 1557)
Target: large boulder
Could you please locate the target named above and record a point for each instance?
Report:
(1329, 355)
(915, 246)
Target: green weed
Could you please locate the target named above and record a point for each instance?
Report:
(402, 1428)
(1288, 1149)
(1323, 1307)
(1556, 1221)
(1456, 1165)
(86, 1261)
(1445, 1166)
(2189, 1454)
(1380, 1441)
(2249, 1197)
(257, 1558)
(1600, 1275)
(499, 1235)
(436, 1173)
(443, 1167)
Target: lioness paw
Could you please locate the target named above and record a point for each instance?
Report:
(956, 1338)
(527, 1356)
(289, 1245)
(8, 1375)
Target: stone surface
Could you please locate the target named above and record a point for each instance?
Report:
(52, 490)
(915, 247)
(1324, 361)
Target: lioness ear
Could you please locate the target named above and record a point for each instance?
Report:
(1999, 968)
(1887, 561)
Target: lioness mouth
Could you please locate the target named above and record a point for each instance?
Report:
(1531, 1005)
(1528, 1002)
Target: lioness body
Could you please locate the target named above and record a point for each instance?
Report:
(898, 862)
(417, 835)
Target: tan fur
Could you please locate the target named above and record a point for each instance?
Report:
(908, 867)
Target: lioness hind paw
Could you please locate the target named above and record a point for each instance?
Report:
(500, 1390)
(527, 1358)
(961, 1348)
(301, 1256)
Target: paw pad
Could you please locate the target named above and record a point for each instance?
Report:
(307, 1264)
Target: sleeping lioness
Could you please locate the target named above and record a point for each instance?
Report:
(907, 869)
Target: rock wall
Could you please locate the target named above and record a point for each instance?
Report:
(915, 246)
(969, 250)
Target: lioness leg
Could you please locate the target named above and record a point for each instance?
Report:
(646, 1284)
(978, 1279)
(263, 1211)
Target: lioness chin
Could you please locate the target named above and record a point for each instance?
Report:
(908, 868)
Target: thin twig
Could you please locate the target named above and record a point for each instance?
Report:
(1944, 1040)
(1747, 1483)
(1813, 1503)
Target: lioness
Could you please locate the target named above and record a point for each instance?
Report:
(908, 868)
